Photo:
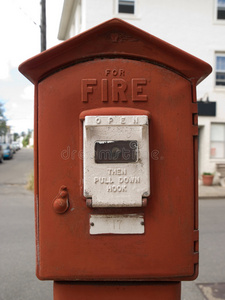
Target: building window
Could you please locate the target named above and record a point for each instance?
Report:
(217, 149)
(126, 6)
(220, 9)
(220, 69)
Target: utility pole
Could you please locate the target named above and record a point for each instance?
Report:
(43, 25)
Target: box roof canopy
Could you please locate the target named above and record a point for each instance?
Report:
(111, 39)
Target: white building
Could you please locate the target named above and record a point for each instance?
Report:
(7, 137)
(197, 27)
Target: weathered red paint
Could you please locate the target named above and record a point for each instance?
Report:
(116, 69)
(117, 291)
(115, 38)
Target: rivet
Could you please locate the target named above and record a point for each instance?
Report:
(98, 120)
(92, 224)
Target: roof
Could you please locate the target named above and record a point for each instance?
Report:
(115, 38)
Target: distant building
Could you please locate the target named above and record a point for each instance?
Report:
(197, 27)
(7, 137)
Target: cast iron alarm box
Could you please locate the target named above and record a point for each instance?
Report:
(116, 181)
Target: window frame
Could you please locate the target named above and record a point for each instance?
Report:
(126, 15)
(215, 141)
(217, 54)
(219, 8)
(216, 20)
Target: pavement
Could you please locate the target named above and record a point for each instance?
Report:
(211, 192)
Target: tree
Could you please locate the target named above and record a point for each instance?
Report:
(26, 137)
(15, 136)
(25, 141)
(3, 126)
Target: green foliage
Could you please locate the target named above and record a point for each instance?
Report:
(207, 173)
(3, 126)
(26, 141)
(1, 110)
(26, 137)
(15, 136)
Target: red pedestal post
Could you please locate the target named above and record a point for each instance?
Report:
(117, 290)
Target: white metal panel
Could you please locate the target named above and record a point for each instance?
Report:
(116, 184)
(117, 224)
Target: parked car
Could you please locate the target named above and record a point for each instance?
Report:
(16, 145)
(7, 151)
(13, 148)
(1, 154)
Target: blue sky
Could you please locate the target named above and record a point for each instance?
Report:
(20, 40)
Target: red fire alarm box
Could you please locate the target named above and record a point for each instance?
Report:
(116, 157)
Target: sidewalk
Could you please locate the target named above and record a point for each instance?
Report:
(213, 191)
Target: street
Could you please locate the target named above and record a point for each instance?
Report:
(17, 251)
(212, 250)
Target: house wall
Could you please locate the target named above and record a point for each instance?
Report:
(190, 25)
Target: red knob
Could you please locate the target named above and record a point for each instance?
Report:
(60, 205)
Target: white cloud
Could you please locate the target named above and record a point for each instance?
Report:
(17, 95)
(20, 40)
(19, 36)
(4, 69)
(28, 92)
